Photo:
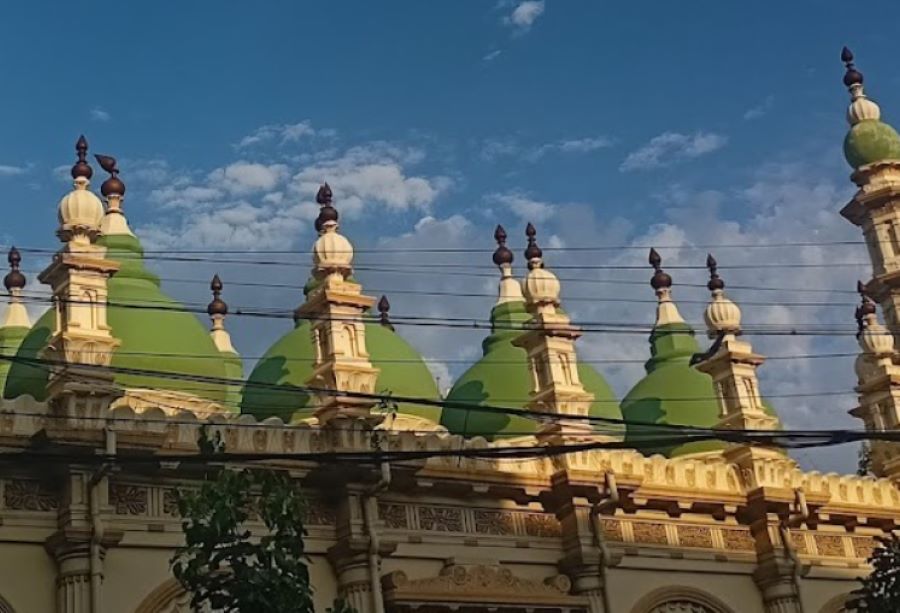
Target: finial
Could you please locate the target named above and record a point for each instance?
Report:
(113, 185)
(217, 306)
(384, 307)
(14, 279)
(533, 253)
(327, 212)
(852, 76)
(715, 281)
(866, 305)
(502, 255)
(660, 279)
(81, 167)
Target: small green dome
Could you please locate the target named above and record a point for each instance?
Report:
(672, 393)
(502, 378)
(11, 338)
(871, 141)
(155, 333)
(274, 388)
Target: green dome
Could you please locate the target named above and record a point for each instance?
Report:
(151, 338)
(11, 338)
(502, 378)
(871, 141)
(272, 387)
(672, 393)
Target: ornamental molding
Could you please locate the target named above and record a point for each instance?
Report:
(680, 599)
(482, 584)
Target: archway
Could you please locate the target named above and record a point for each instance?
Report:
(680, 599)
(838, 604)
(169, 597)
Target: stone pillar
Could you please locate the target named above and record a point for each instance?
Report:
(778, 586)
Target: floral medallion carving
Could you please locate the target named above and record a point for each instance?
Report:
(649, 533)
(26, 495)
(393, 515)
(493, 522)
(128, 499)
(542, 524)
(441, 519)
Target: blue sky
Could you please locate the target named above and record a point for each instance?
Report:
(609, 124)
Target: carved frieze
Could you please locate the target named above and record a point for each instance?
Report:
(441, 519)
(695, 536)
(320, 514)
(128, 499)
(612, 529)
(737, 539)
(170, 503)
(863, 546)
(28, 495)
(542, 524)
(393, 515)
(830, 545)
(649, 533)
(493, 522)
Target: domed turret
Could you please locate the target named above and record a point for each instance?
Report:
(80, 211)
(16, 322)
(869, 139)
(502, 376)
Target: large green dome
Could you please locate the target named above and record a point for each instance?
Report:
(155, 332)
(871, 141)
(502, 378)
(11, 338)
(672, 393)
(274, 388)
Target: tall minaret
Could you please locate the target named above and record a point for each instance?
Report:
(550, 344)
(878, 386)
(78, 277)
(872, 148)
(234, 368)
(335, 308)
(16, 315)
(510, 290)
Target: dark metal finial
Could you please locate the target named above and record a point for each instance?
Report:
(532, 251)
(324, 198)
(384, 307)
(14, 279)
(715, 281)
(81, 167)
(113, 185)
(852, 76)
(660, 278)
(502, 255)
(866, 305)
(217, 306)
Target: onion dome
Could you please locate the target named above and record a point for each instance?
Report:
(869, 139)
(14, 279)
(510, 290)
(332, 252)
(502, 377)
(80, 211)
(217, 306)
(661, 282)
(16, 323)
(541, 287)
(721, 314)
(384, 308)
(156, 332)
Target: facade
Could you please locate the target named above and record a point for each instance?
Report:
(117, 370)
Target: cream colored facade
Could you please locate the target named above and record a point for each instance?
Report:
(598, 531)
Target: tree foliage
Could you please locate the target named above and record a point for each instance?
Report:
(880, 591)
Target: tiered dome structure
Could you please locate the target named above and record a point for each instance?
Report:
(502, 376)
(156, 332)
(869, 139)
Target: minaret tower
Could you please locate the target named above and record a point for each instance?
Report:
(234, 369)
(14, 281)
(335, 308)
(510, 290)
(550, 344)
(872, 148)
(78, 278)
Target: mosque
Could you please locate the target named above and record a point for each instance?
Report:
(571, 501)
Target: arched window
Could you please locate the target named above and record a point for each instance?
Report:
(678, 599)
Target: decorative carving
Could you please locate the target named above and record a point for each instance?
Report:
(441, 519)
(128, 499)
(23, 495)
(681, 606)
(830, 545)
(863, 546)
(612, 529)
(493, 522)
(170, 503)
(649, 533)
(394, 515)
(798, 541)
(482, 584)
(320, 514)
(737, 539)
(695, 536)
(542, 524)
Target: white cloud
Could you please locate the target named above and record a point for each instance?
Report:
(494, 149)
(525, 14)
(283, 133)
(670, 147)
(525, 208)
(760, 109)
(245, 177)
(12, 171)
(98, 114)
(492, 55)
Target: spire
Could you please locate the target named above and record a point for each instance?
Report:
(510, 290)
(80, 211)
(861, 108)
(661, 282)
(217, 310)
(722, 316)
(541, 287)
(113, 190)
(384, 308)
(16, 315)
(332, 252)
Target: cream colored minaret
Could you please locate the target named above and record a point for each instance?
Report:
(510, 290)
(113, 190)
(234, 367)
(335, 309)
(733, 364)
(16, 316)
(78, 276)
(875, 207)
(878, 387)
(550, 344)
